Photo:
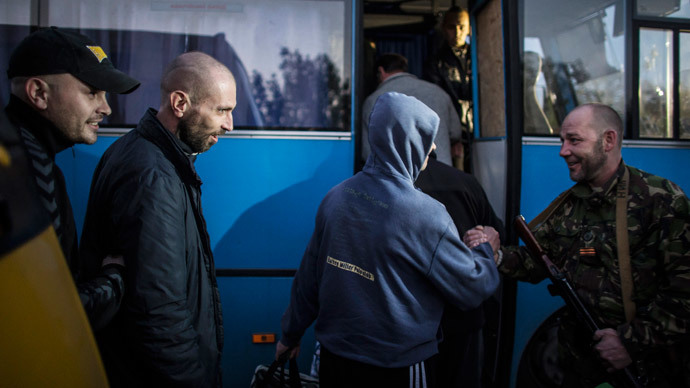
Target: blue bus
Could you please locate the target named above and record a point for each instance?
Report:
(303, 69)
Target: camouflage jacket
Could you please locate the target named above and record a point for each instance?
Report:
(580, 238)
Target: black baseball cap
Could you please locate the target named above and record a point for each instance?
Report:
(56, 51)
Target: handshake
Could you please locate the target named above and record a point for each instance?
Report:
(481, 234)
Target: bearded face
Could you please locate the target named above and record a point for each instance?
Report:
(584, 165)
(197, 133)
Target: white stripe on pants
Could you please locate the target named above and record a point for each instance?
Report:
(418, 375)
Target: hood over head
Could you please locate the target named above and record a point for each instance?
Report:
(402, 130)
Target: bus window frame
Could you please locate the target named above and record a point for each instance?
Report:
(676, 25)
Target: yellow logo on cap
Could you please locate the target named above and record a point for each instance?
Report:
(98, 52)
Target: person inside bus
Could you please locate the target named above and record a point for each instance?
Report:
(383, 260)
(649, 331)
(460, 359)
(58, 82)
(450, 67)
(145, 202)
(391, 70)
(535, 120)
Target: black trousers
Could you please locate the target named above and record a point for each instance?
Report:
(340, 372)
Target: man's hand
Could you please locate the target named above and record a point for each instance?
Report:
(481, 234)
(280, 349)
(611, 349)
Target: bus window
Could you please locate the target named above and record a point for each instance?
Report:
(656, 80)
(291, 60)
(579, 53)
(684, 85)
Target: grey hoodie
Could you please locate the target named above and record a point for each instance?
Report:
(384, 257)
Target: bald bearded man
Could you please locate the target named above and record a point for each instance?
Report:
(145, 204)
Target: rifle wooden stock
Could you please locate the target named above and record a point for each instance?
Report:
(563, 288)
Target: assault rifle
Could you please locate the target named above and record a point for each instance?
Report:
(562, 287)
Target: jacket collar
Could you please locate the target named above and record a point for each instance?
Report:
(174, 149)
(50, 137)
(396, 76)
(603, 194)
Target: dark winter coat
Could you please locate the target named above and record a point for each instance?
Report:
(145, 203)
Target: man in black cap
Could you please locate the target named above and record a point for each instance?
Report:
(58, 84)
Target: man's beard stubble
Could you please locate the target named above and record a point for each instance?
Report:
(591, 164)
(193, 134)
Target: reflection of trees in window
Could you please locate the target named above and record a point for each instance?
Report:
(653, 110)
(684, 85)
(655, 76)
(312, 95)
(684, 95)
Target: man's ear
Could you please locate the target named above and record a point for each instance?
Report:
(610, 139)
(37, 93)
(180, 103)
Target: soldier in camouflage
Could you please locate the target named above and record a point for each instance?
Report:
(580, 237)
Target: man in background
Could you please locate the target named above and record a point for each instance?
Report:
(391, 70)
(451, 69)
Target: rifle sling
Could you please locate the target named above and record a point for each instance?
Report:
(623, 246)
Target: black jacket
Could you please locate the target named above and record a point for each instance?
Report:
(459, 360)
(42, 141)
(145, 203)
(468, 206)
(101, 292)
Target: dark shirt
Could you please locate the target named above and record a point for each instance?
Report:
(468, 206)
(459, 359)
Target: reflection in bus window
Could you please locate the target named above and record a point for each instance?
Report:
(684, 85)
(656, 83)
(291, 59)
(671, 9)
(534, 93)
(582, 55)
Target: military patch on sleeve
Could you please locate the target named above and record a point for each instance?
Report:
(98, 52)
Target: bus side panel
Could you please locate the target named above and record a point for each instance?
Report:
(254, 305)
(544, 176)
(260, 197)
(670, 163)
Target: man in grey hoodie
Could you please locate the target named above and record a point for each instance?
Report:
(383, 260)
